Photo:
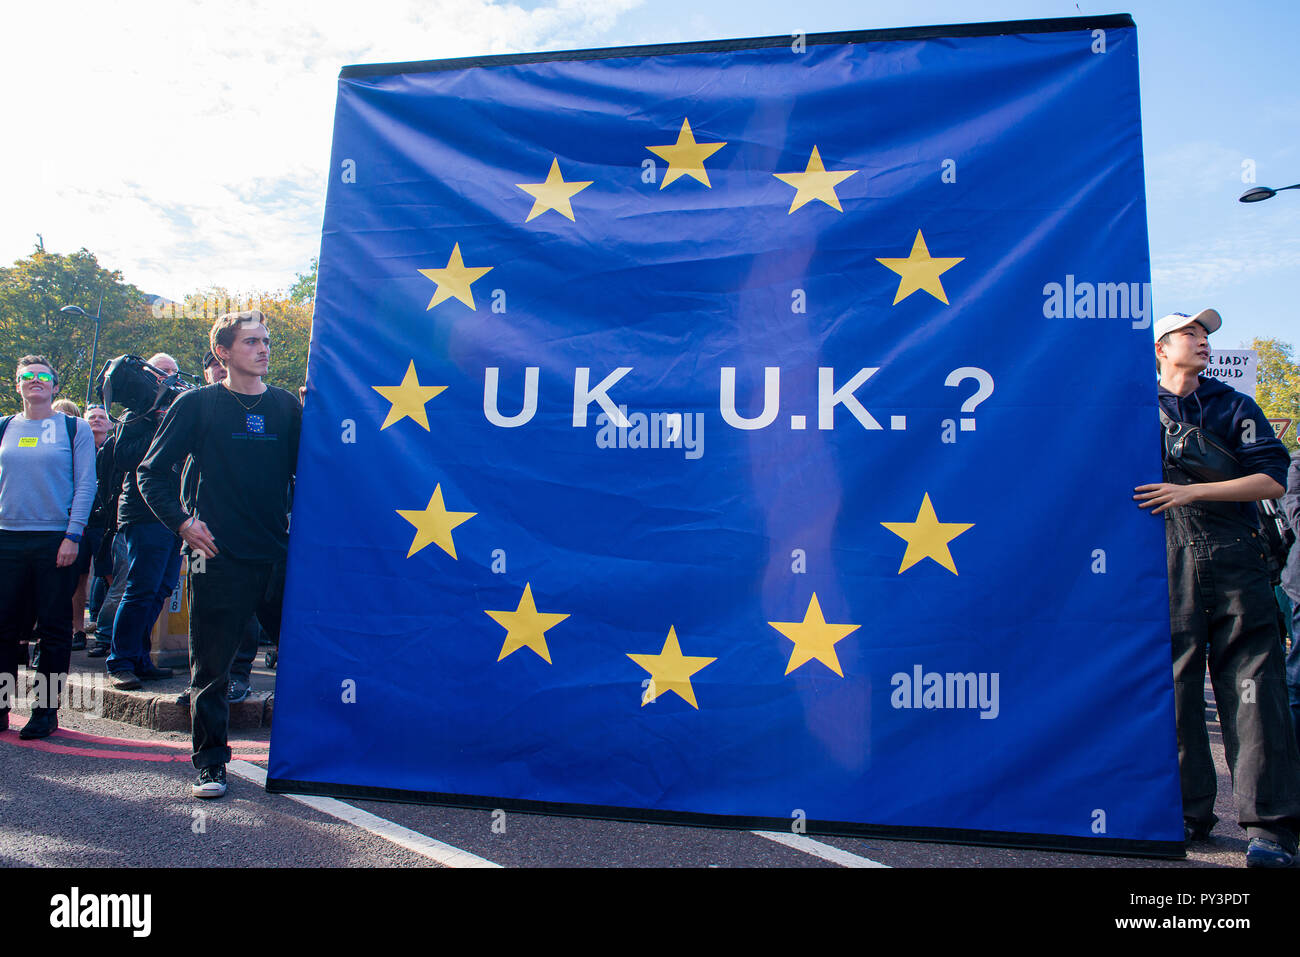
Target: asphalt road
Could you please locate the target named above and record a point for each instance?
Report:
(104, 794)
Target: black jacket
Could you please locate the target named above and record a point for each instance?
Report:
(1291, 508)
(1232, 416)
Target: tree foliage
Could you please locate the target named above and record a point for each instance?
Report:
(1277, 387)
(303, 289)
(34, 289)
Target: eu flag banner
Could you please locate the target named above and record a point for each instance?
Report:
(740, 433)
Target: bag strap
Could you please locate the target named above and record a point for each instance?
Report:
(70, 424)
(4, 424)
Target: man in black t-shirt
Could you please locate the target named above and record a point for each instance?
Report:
(243, 436)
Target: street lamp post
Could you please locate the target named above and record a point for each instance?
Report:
(94, 349)
(1257, 194)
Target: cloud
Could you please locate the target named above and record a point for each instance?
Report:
(186, 143)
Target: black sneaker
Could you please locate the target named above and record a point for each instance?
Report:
(237, 692)
(45, 721)
(99, 649)
(79, 641)
(149, 673)
(1198, 830)
(272, 657)
(211, 782)
(183, 699)
(124, 680)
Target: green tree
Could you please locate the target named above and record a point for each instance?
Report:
(33, 290)
(303, 290)
(183, 331)
(1277, 387)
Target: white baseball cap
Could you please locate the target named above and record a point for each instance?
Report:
(1210, 319)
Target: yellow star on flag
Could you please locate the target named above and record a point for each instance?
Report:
(670, 670)
(434, 523)
(816, 183)
(813, 638)
(455, 279)
(554, 194)
(525, 626)
(408, 399)
(927, 537)
(920, 271)
(686, 157)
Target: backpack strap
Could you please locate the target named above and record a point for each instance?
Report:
(70, 423)
(4, 424)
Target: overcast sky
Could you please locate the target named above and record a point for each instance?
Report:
(185, 142)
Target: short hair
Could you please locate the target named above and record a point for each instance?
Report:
(223, 330)
(162, 355)
(36, 361)
(67, 407)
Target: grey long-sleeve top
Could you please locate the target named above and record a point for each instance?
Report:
(38, 492)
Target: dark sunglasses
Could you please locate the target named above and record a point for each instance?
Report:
(38, 376)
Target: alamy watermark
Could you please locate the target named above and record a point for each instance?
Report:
(948, 690)
(658, 430)
(1101, 300)
(206, 308)
(35, 690)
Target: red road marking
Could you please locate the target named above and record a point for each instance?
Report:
(49, 747)
(139, 742)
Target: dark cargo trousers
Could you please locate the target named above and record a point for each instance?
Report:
(1221, 603)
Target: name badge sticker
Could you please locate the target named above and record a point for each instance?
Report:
(27, 442)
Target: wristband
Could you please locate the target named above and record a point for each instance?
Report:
(75, 539)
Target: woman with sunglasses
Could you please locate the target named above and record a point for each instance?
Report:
(47, 485)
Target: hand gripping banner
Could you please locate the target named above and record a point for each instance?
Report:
(740, 433)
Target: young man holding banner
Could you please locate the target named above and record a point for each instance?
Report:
(243, 436)
(1220, 598)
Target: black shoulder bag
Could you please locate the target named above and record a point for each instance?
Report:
(1197, 452)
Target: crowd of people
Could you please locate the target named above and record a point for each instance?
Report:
(97, 513)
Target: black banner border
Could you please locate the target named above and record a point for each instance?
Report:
(1125, 847)
(1113, 21)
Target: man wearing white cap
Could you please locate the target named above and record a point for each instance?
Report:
(1220, 598)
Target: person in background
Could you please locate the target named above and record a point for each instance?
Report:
(98, 421)
(1291, 585)
(153, 555)
(111, 557)
(47, 486)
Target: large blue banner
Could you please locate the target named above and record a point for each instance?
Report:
(740, 433)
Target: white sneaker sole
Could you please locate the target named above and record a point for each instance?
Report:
(208, 790)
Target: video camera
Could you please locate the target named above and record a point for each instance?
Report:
(139, 387)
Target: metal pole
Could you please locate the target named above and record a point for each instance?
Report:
(94, 349)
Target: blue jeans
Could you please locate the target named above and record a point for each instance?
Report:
(153, 567)
(113, 598)
(98, 592)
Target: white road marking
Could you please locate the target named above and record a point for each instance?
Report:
(818, 849)
(414, 841)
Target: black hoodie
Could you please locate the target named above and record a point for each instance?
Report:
(1223, 411)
